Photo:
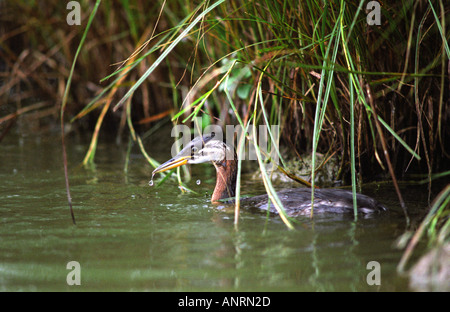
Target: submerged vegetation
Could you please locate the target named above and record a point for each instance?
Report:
(374, 97)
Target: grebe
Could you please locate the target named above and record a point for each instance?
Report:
(296, 201)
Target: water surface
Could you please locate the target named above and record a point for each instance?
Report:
(133, 237)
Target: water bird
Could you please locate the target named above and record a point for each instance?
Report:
(296, 201)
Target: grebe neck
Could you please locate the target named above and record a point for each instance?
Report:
(226, 172)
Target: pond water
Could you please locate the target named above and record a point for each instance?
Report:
(133, 237)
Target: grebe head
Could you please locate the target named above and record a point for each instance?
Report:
(202, 149)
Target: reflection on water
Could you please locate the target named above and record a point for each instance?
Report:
(130, 236)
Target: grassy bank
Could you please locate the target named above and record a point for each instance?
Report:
(324, 73)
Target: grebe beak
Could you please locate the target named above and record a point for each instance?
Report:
(172, 163)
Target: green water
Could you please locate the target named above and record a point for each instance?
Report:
(133, 237)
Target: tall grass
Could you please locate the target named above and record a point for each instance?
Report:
(63, 106)
(436, 225)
